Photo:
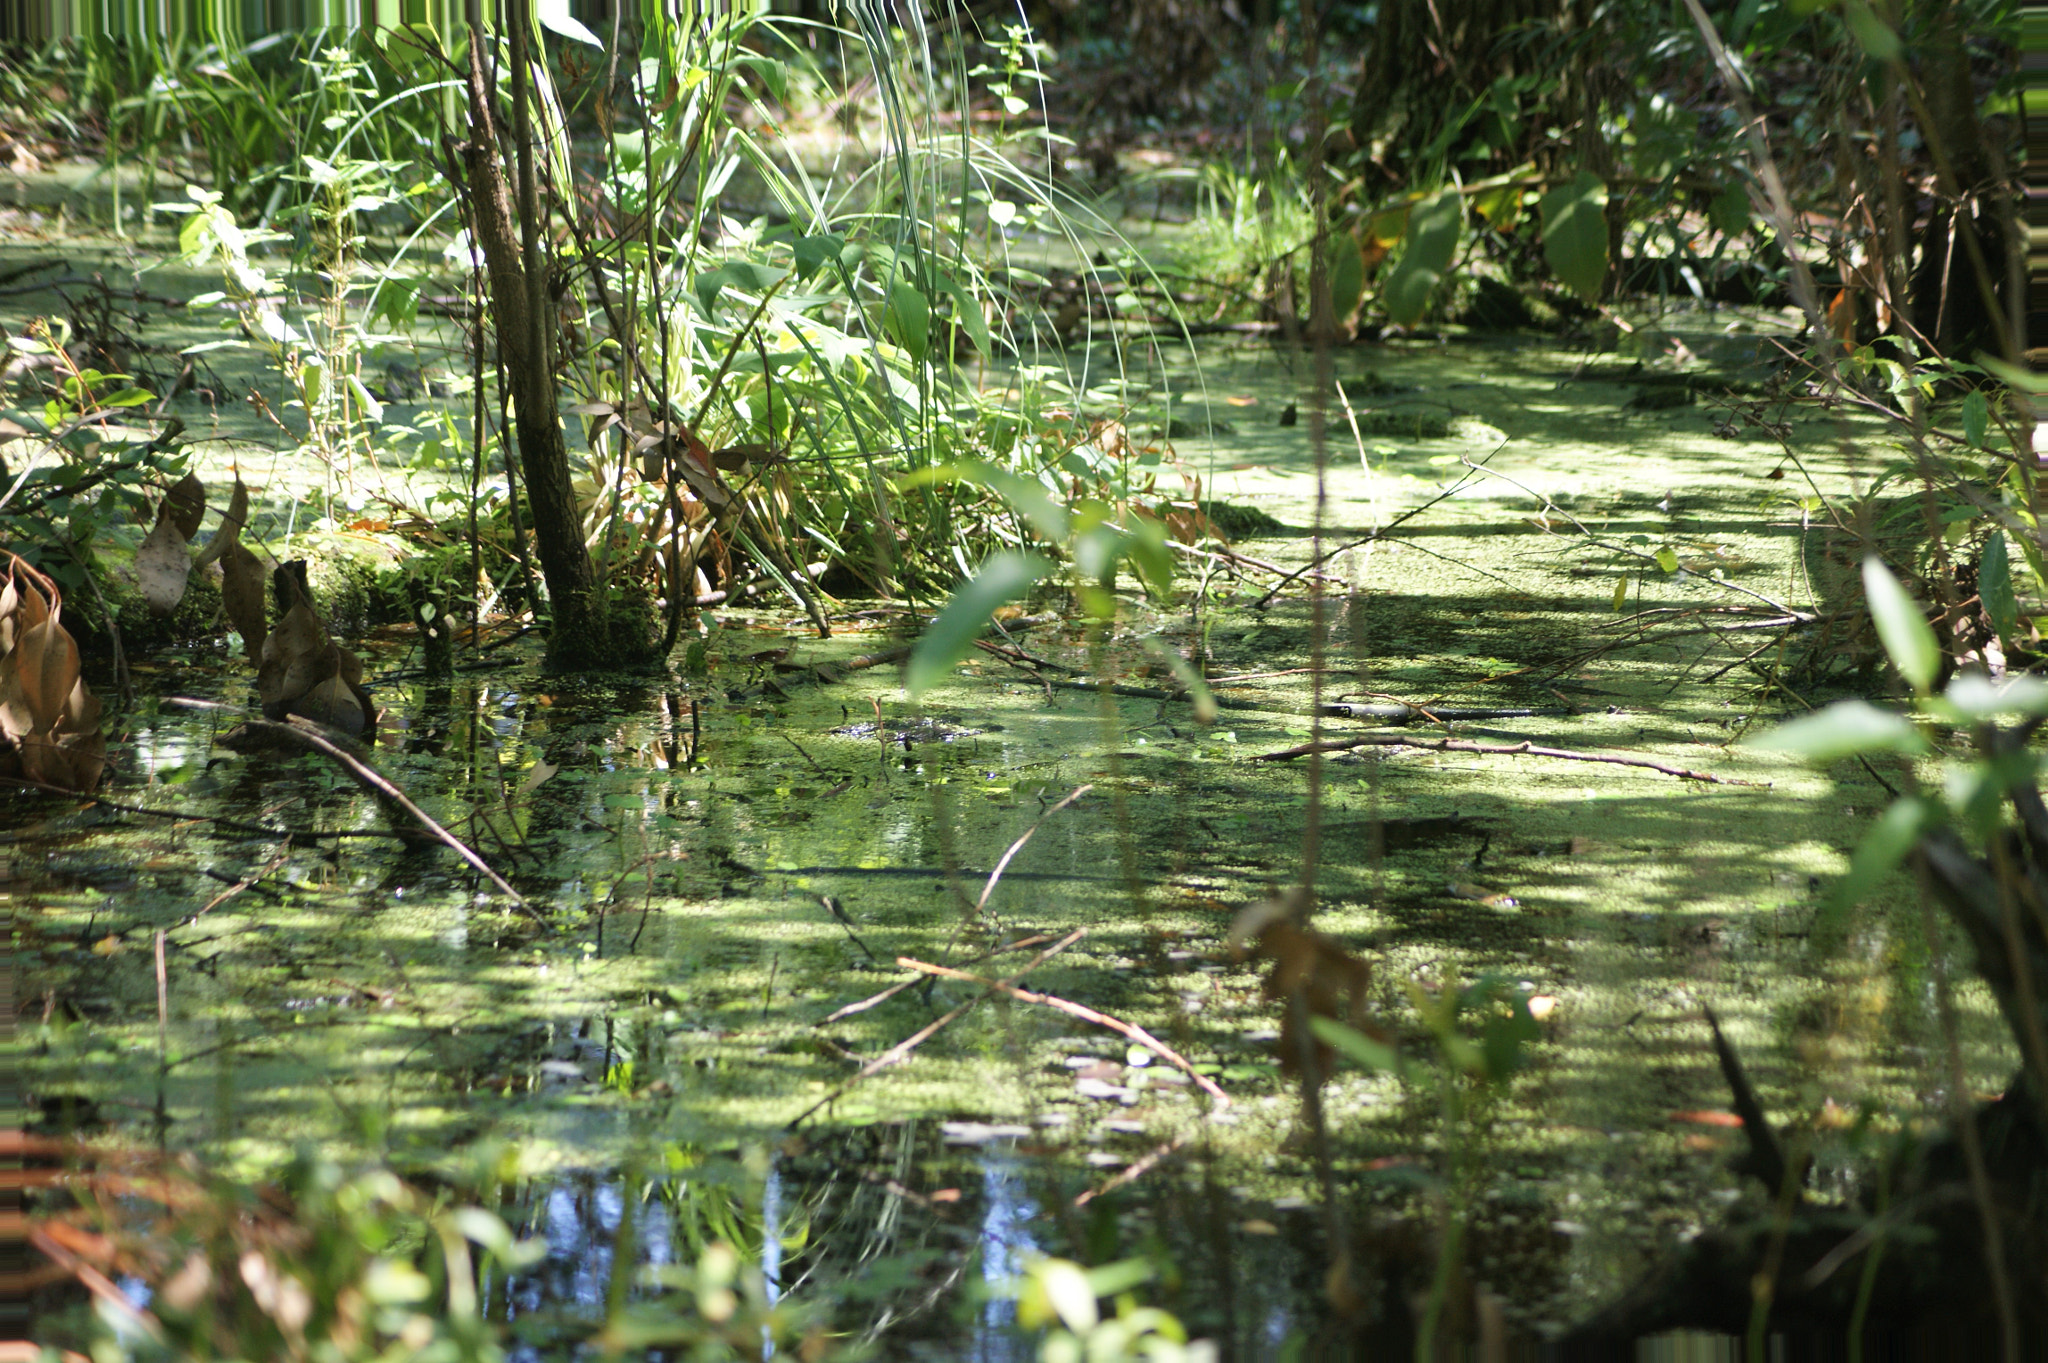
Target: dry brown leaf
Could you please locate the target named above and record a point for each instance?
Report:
(1333, 983)
(231, 522)
(333, 703)
(49, 719)
(291, 660)
(163, 563)
(185, 504)
(241, 594)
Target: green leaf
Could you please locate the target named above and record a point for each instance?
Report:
(1575, 234)
(1667, 559)
(2015, 376)
(1843, 729)
(1620, 593)
(1003, 578)
(1994, 585)
(554, 16)
(1058, 1289)
(967, 312)
(814, 252)
(1973, 699)
(1872, 34)
(1432, 237)
(1027, 496)
(1902, 626)
(128, 397)
(908, 319)
(1356, 1046)
(748, 276)
(1877, 856)
(1347, 275)
(1729, 211)
(1976, 419)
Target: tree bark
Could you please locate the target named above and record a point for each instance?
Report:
(579, 637)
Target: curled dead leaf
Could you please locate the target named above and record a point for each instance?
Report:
(231, 522)
(49, 719)
(185, 504)
(241, 595)
(163, 565)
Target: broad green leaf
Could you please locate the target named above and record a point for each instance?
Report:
(1872, 34)
(554, 16)
(1058, 1289)
(1667, 559)
(1877, 856)
(1843, 729)
(1908, 638)
(1347, 275)
(1621, 593)
(1027, 496)
(1146, 548)
(1729, 211)
(1374, 1056)
(967, 312)
(1003, 578)
(908, 319)
(1111, 1280)
(1976, 419)
(1575, 234)
(2016, 376)
(1973, 698)
(814, 252)
(1432, 237)
(1994, 585)
(748, 276)
(774, 75)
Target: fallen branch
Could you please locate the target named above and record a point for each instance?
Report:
(373, 781)
(1018, 846)
(893, 990)
(1086, 1014)
(903, 1048)
(1135, 1170)
(1498, 749)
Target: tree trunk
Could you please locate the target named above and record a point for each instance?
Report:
(578, 635)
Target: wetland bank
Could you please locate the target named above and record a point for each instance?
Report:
(1133, 832)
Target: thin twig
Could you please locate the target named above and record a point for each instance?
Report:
(893, 990)
(903, 1048)
(1498, 749)
(1018, 846)
(368, 777)
(1135, 1170)
(1083, 1012)
(1320, 559)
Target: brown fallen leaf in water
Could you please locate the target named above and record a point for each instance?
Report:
(49, 719)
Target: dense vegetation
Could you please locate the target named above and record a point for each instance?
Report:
(605, 325)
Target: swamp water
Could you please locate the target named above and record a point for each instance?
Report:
(647, 1028)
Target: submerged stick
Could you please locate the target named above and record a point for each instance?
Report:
(1086, 1014)
(1501, 750)
(1135, 1170)
(893, 990)
(372, 780)
(923, 1034)
(1018, 846)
